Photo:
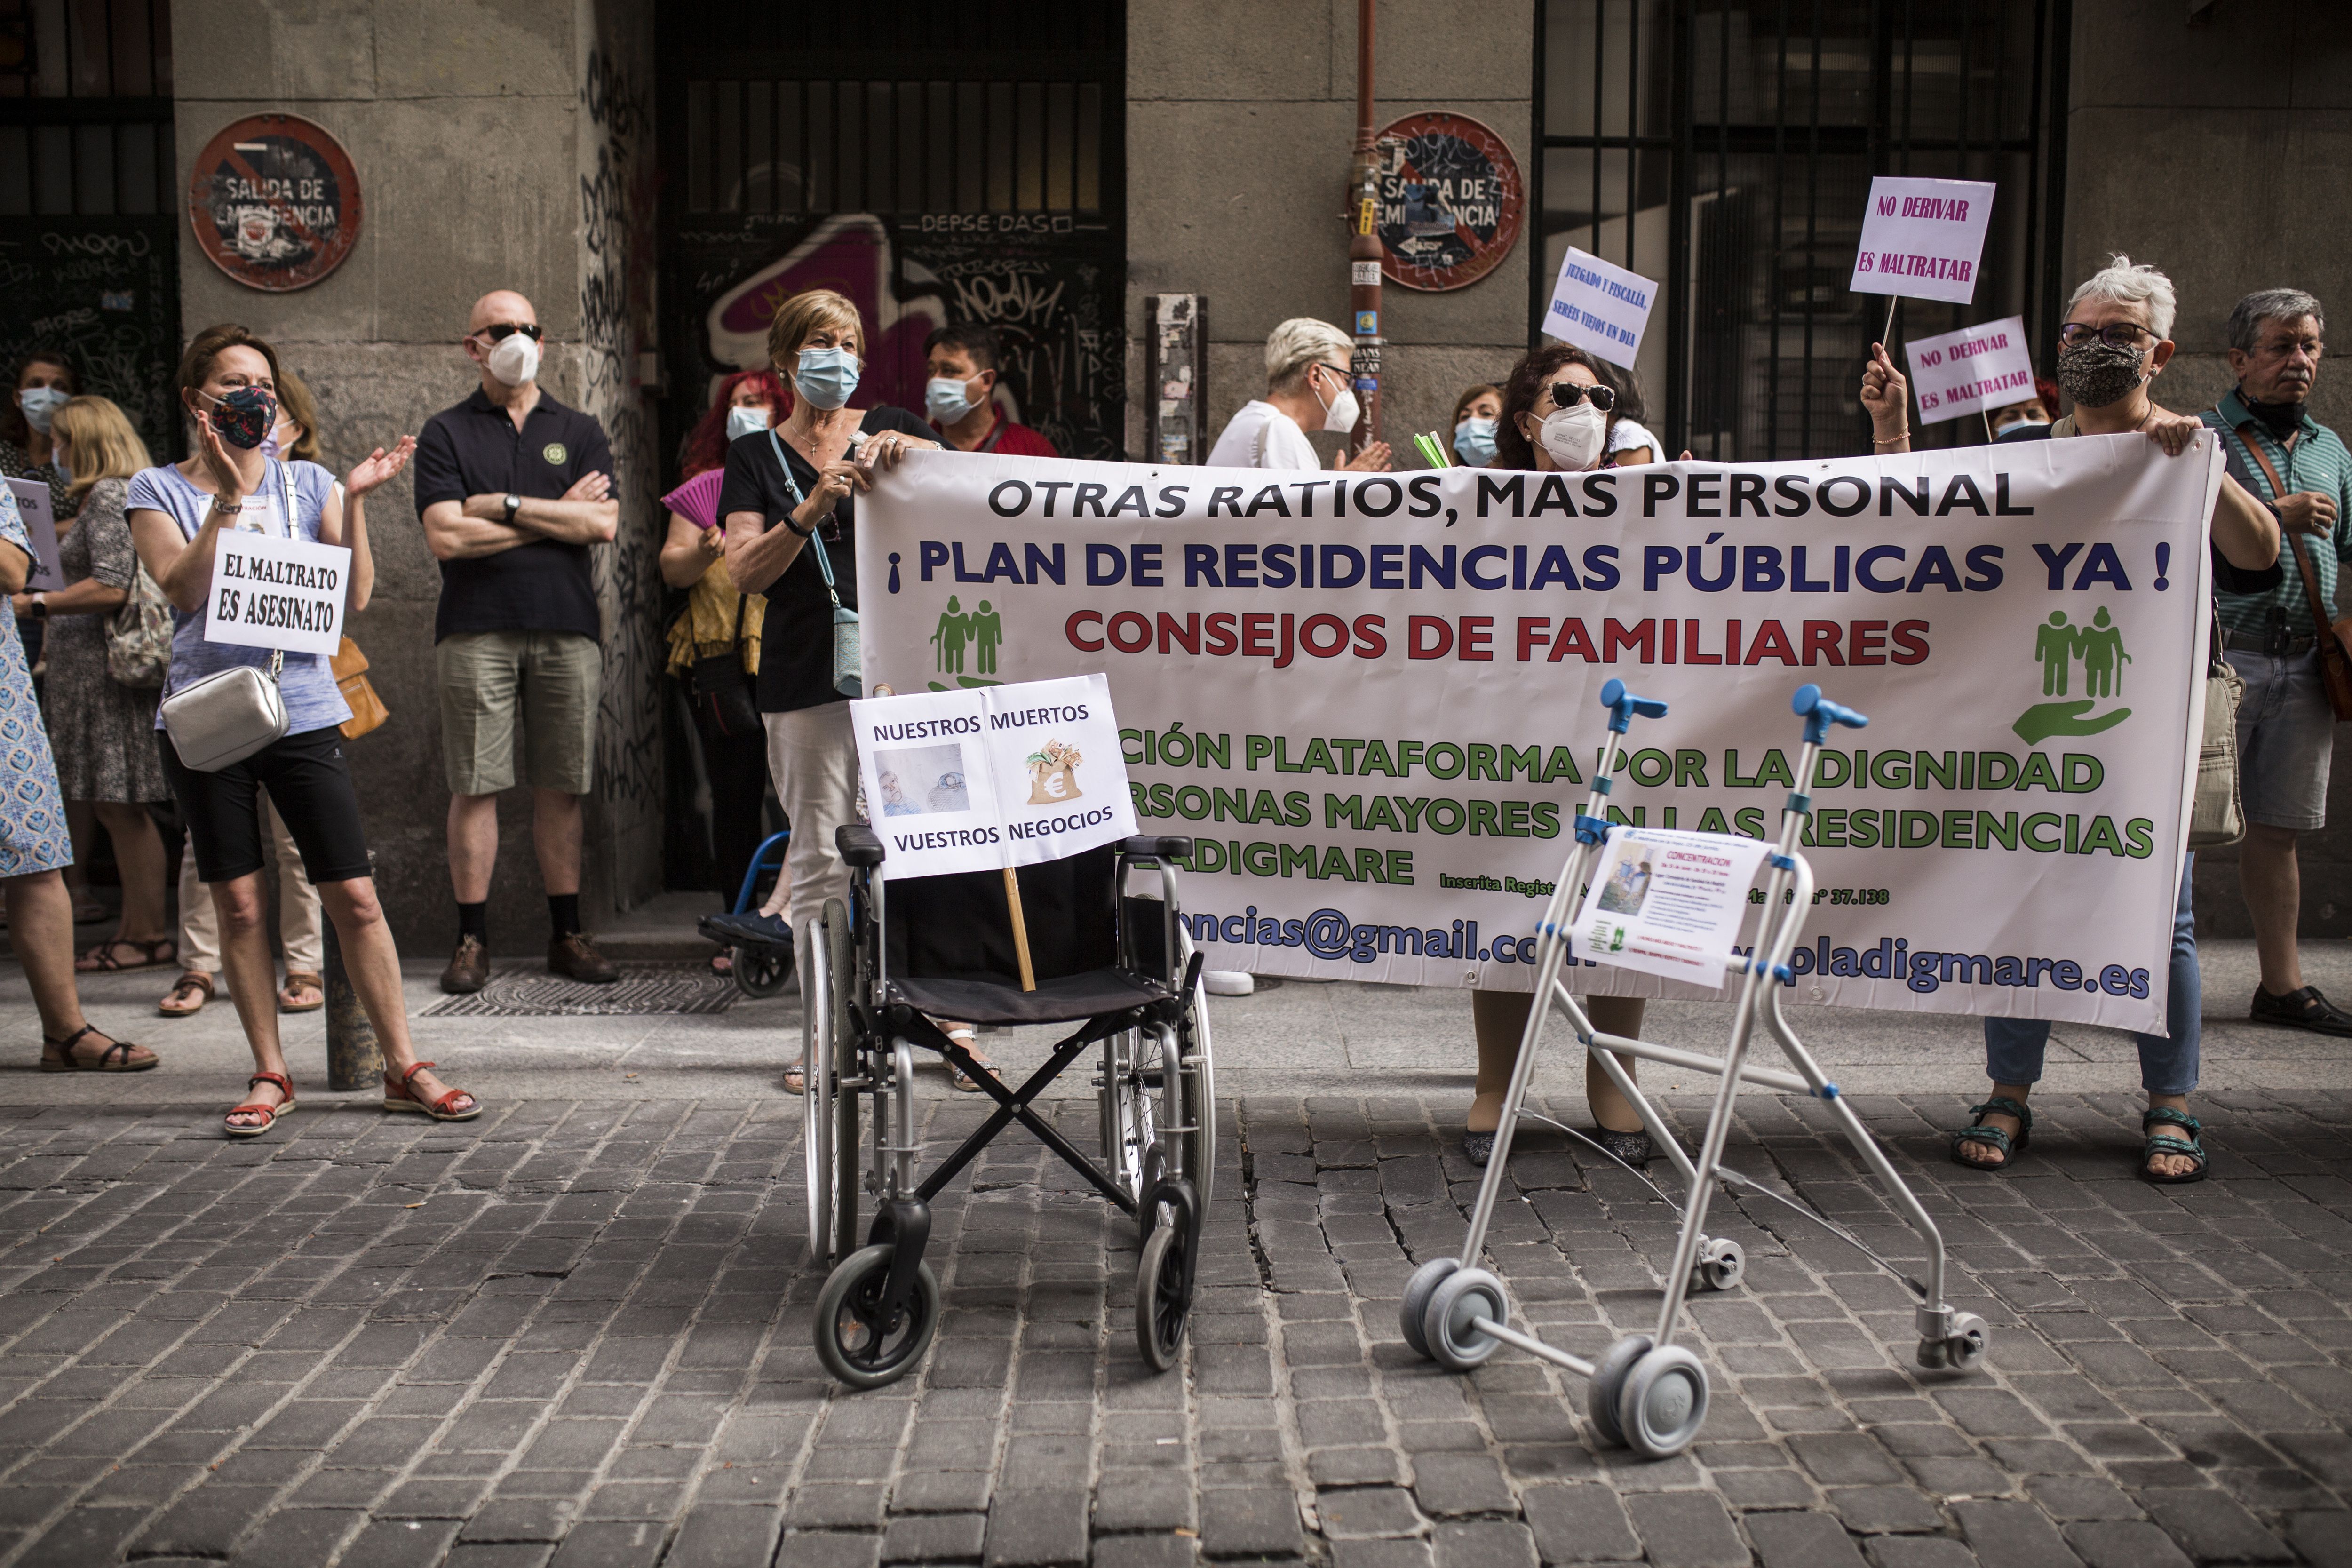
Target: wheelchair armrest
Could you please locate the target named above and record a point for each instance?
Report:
(1158, 847)
(859, 844)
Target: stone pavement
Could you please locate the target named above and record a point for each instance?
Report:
(576, 1331)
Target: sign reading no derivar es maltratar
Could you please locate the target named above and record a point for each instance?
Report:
(1923, 238)
(1972, 369)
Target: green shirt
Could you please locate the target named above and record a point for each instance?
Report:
(2313, 458)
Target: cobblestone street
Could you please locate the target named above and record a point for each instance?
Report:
(577, 1332)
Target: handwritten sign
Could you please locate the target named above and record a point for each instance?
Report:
(1668, 903)
(1975, 368)
(1923, 238)
(41, 529)
(276, 593)
(1600, 306)
(990, 777)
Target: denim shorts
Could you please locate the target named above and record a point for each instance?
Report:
(2286, 736)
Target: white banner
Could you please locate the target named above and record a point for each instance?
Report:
(1975, 368)
(269, 591)
(980, 778)
(41, 530)
(1372, 699)
(1923, 238)
(1600, 306)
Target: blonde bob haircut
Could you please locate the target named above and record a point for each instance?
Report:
(105, 447)
(804, 313)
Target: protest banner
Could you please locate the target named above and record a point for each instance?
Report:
(1600, 306)
(1923, 237)
(1973, 370)
(269, 591)
(41, 530)
(1371, 699)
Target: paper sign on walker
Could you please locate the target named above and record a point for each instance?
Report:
(1923, 238)
(1973, 369)
(1600, 307)
(982, 779)
(1668, 903)
(41, 533)
(276, 593)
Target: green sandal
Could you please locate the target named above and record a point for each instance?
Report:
(1977, 1132)
(2164, 1116)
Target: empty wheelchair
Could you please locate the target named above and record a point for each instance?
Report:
(874, 977)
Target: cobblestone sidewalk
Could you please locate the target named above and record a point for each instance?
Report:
(578, 1334)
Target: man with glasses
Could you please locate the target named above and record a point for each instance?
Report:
(2286, 729)
(514, 489)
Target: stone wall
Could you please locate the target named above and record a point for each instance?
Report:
(499, 144)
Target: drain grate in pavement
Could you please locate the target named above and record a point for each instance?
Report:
(643, 989)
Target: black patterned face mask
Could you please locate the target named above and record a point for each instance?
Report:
(2096, 373)
(245, 417)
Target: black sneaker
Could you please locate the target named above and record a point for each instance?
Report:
(2304, 1009)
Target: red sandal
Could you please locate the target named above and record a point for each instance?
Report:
(283, 1108)
(399, 1095)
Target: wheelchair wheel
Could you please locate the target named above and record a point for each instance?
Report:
(849, 1060)
(818, 1076)
(1133, 1104)
(760, 971)
(1197, 1087)
(859, 1340)
(1163, 1299)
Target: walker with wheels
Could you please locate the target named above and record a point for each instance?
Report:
(1646, 1391)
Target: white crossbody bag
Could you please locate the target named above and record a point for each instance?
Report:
(232, 714)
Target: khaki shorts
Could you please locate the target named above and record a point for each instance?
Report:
(551, 681)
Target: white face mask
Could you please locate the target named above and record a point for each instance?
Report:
(1341, 412)
(746, 419)
(1573, 436)
(514, 359)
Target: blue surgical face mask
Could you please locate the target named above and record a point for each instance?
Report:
(41, 404)
(745, 420)
(947, 399)
(826, 377)
(1473, 441)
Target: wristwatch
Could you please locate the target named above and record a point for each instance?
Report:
(514, 505)
(40, 606)
(227, 508)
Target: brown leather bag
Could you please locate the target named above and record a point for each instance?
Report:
(2335, 663)
(368, 711)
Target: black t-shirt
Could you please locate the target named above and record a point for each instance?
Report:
(475, 449)
(2227, 578)
(796, 642)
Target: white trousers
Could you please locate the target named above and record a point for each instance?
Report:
(813, 758)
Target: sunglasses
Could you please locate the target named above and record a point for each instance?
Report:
(1568, 393)
(505, 330)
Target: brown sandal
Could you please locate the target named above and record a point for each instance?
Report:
(65, 1061)
(283, 1108)
(101, 960)
(399, 1095)
(194, 980)
(304, 979)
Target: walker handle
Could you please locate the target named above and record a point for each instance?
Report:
(1622, 705)
(1819, 713)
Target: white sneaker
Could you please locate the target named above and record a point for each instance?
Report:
(1227, 982)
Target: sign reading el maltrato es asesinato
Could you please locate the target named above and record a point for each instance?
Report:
(276, 593)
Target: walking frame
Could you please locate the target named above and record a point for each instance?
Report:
(1646, 1391)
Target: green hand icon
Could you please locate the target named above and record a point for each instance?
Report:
(2043, 720)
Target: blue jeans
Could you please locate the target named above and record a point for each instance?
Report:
(2167, 1063)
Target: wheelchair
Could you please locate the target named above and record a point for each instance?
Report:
(762, 946)
(875, 974)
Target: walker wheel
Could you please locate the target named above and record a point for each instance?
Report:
(1447, 1323)
(1664, 1403)
(1608, 1383)
(1964, 1348)
(861, 1340)
(1417, 1291)
(1720, 1265)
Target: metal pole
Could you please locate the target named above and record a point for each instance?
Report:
(354, 1060)
(1364, 249)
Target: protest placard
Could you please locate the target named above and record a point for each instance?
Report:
(982, 778)
(269, 591)
(1600, 306)
(1975, 368)
(1668, 903)
(1923, 237)
(41, 530)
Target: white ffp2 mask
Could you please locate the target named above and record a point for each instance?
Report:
(514, 359)
(1573, 436)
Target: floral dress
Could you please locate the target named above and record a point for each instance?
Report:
(33, 836)
(102, 732)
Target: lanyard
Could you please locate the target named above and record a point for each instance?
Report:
(824, 562)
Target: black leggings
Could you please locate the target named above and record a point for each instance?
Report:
(737, 767)
(308, 783)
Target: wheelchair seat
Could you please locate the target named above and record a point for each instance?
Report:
(999, 999)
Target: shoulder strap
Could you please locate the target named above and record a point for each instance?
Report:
(785, 464)
(2320, 619)
(815, 538)
(995, 433)
(2254, 450)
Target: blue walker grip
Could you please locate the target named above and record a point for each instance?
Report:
(1819, 713)
(1622, 705)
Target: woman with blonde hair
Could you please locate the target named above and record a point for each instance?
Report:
(102, 729)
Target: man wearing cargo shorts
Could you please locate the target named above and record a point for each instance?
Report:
(514, 490)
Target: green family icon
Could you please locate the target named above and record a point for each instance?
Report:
(982, 627)
(2057, 645)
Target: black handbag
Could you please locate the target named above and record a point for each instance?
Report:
(721, 692)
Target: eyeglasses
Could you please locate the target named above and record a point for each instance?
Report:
(1568, 393)
(501, 330)
(2115, 334)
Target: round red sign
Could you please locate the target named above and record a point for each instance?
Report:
(274, 202)
(1451, 200)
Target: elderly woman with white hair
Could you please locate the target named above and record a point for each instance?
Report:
(1307, 387)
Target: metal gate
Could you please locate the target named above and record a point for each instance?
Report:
(1725, 148)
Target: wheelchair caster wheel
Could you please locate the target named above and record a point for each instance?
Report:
(1417, 1291)
(761, 972)
(1961, 1349)
(1147, 1212)
(1163, 1297)
(859, 1338)
(1608, 1383)
(1447, 1323)
(1664, 1403)
(1720, 1265)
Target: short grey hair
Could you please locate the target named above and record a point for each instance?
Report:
(1299, 342)
(2272, 305)
(2129, 284)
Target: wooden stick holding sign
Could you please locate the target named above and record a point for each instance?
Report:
(1020, 929)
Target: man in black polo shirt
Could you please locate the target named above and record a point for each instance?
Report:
(514, 489)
